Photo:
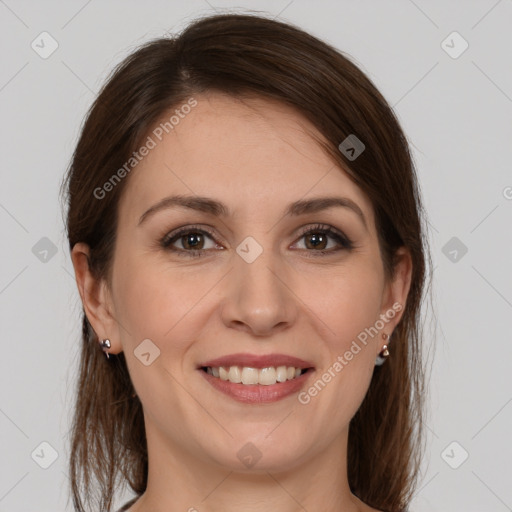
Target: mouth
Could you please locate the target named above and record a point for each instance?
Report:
(256, 379)
(255, 376)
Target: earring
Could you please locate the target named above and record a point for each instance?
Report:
(384, 353)
(105, 345)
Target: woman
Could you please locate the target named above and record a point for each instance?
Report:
(247, 236)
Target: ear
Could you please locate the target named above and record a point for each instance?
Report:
(396, 291)
(96, 298)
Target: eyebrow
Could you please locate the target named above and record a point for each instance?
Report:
(218, 209)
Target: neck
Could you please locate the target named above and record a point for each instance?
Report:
(179, 482)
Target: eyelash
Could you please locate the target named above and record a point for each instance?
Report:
(324, 229)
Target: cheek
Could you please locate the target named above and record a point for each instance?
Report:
(158, 302)
(342, 383)
(347, 303)
(348, 310)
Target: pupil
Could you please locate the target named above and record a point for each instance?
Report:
(317, 239)
(195, 240)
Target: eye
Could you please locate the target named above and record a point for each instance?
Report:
(192, 240)
(317, 238)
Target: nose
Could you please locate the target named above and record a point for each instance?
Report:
(259, 300)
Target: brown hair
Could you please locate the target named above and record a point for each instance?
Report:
(243, 55)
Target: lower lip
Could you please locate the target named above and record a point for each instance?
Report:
(257, 393)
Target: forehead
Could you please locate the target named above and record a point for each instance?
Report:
(246, 153)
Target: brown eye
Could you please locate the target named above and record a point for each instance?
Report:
(192, 240)
(317, 240)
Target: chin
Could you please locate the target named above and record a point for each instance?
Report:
(258, 453)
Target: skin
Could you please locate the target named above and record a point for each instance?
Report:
(256, 156)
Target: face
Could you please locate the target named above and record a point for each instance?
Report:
(260, 284)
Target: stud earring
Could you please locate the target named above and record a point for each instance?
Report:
(105, 345)
(384, 353)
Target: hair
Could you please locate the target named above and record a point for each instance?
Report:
(245, 55)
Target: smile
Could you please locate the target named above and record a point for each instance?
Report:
(257, 378)
(257, 393)
(251, 376)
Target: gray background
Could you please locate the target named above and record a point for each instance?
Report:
(457, 114)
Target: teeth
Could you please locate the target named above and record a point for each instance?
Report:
(250, 376)
(282, 373)
(235, 375)
(267, 376)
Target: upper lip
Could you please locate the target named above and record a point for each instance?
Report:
(257, 361)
